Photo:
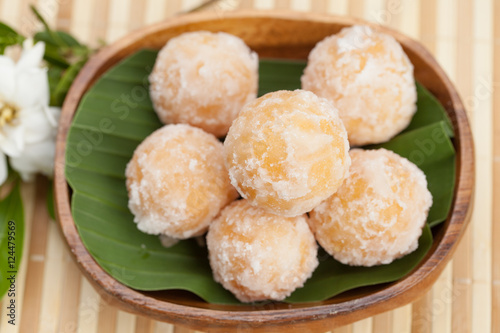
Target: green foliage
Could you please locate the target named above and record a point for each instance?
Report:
(65, 57)
(11, 236)
(331, 277)
(50, 201)
(65, 81)
(8, 37)
(430, 148)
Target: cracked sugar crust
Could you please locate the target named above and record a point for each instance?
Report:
(203, 79)
(369, 78)
(260, 256)
(177, 182)
(287, 151)
(377, 215)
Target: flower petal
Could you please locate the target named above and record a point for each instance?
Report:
(38, 157)
(7, 78)
(37, 126)
(53, 114)
(3, 168)
(31, 56)
(32, 88)
(12, 141)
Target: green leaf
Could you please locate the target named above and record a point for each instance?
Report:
(8, 36)
(323, 284)
(5, 29)
(54, 74)
(62, 87)
(430, 111)
(56, 38)
(61, 49)
(11, 238)
(50, 201)
(53, 56)
(284, 74)
(61, 39)
(40, 18)
(430, 148)
(116, 114)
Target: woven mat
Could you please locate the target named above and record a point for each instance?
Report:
(53, 296)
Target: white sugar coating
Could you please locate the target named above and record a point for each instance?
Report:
(203, 79)
(369, 78)
(377, 215)
(177, 182)
(287, 151)
(259, 256)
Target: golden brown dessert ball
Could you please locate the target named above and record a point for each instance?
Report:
(287, 151)
(177, 182)
(203, 79)
(257, 255)
(369, 78)
(377, 215)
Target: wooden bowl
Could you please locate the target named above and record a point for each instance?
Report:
(281, 35)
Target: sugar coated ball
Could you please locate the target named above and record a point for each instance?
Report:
(203, 79)
(370, 80)
(177, 182)
(377, 215)
(257, 255)
(287, 151)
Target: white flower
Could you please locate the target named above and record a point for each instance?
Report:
(27, 124)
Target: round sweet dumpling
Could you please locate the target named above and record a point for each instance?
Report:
(203, 79)
(377, 215)
(369, 78)
(287, 151)
(259, 256)
(177, 182)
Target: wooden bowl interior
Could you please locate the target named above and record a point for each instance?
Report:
(276, 35)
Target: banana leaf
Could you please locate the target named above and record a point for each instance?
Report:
(116, 114)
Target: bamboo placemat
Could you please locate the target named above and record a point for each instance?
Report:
(462, 34)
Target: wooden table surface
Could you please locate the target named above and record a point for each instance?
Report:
(53, 296)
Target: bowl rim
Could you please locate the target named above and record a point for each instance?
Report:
(345, 312)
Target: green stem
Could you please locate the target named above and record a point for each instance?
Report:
(46, 25)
